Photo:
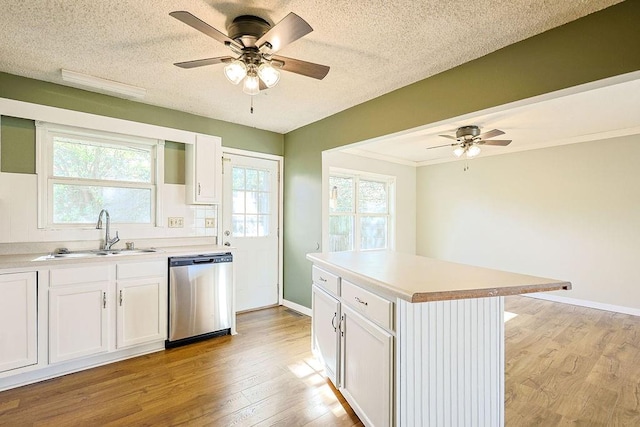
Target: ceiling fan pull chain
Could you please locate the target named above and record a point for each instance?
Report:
(252, 105)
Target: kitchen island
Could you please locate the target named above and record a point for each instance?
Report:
(410, 340)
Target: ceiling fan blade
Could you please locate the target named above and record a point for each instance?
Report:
(501, 142)
(491, 134)
(304, 68)
(203, 27)
(290, 29)
(448, 136)
(440, 146)
(203, 62)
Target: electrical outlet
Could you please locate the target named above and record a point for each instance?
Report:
(176, 222)
(209, 223)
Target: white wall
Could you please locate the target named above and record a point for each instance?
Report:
(19, 217)
(405, 193)
(569, 212)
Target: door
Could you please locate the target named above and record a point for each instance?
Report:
(77, 321)
(325, 318)
(250, 224)
(18, 327)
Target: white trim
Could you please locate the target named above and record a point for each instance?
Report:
(280, 160)
(27, 110)
(45, 134)
(585, 303)
(297, 307)
(86, 80)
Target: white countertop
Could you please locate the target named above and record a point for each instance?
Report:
(37, 261)
(419, 279)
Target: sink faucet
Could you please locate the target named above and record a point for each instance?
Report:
(108, 242)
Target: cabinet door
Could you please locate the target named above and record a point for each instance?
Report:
(18, 325)
(77, 321)
(367, 376)
(142, 311)
(326, 340)
(203, 170)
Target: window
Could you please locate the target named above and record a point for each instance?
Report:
(359, 211)
(250, 206)
(82, 172)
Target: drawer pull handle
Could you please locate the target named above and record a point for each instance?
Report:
(322, 279)
(335, 328)
(361, 302)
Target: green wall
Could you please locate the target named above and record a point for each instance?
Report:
(17, 145)
(233, 135)
(597, 46)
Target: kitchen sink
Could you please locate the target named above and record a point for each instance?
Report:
(100, 253)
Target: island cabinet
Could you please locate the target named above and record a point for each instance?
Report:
(18, 321)
(352, 336)
(421, 340)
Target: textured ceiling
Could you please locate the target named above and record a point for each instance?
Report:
(372, 47)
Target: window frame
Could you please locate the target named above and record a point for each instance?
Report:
(357, 176)
(45, 134)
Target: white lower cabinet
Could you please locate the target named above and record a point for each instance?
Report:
(326, 337)
(78, 321)
(367, 368)
(18, 321)
(140, 314)
(352, 335)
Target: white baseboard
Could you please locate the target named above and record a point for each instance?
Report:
(584, 303)
(297, 307)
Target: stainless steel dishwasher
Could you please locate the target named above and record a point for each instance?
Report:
(200, 297)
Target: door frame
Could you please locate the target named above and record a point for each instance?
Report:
(280, 160)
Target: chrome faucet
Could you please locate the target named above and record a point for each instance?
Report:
(108, 241)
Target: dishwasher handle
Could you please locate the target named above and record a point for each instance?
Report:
(200, 259)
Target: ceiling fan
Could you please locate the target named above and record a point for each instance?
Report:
(255, 43)
(468, 140)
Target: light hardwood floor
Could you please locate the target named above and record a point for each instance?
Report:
(565, 365)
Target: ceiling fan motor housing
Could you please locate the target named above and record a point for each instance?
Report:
(467, 132)
(247, 29)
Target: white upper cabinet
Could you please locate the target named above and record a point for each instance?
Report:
(203, 170)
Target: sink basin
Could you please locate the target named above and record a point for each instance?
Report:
(101, 253)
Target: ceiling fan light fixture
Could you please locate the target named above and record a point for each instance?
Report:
(458, 151)
(235, 71)
(251, 84)
(268, 74)
(473, 151)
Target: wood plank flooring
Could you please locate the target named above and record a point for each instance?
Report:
(565, 365)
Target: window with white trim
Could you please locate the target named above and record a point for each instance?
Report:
(360, 211)
(81, 172)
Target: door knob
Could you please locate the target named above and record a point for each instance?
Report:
(227, 244)
(227, 233)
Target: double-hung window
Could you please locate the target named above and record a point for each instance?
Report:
(83, 171)
(360, 211)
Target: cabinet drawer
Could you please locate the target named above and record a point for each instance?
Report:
(139, 270)
(326, 280)
(370, 305)
(76, 275)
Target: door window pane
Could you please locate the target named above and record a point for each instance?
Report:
(251, 202)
